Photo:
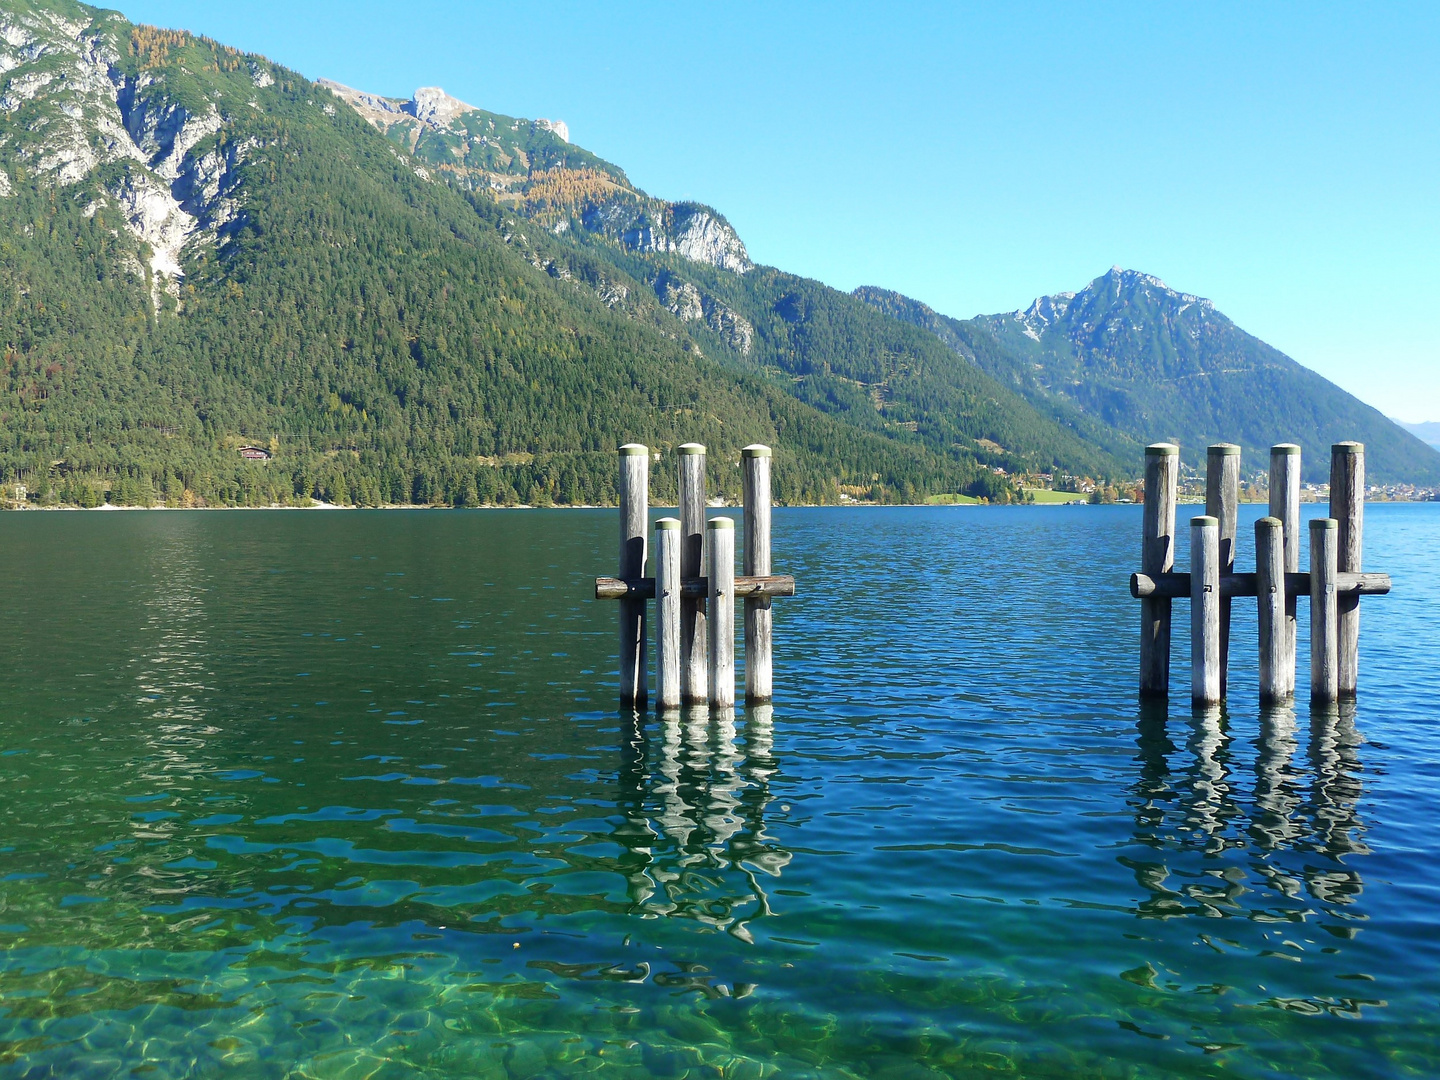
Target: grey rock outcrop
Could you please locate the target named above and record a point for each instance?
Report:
(689, 304)
(177, 179)
(689, 229)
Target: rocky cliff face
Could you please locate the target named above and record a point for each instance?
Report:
(688, 303)
(110, 124)
(649, 226)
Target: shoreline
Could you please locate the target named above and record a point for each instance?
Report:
(107, 508)
(519, 506)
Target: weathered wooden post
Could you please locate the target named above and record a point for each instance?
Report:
(1347, 507)
(667, 613)
(634, 525)
(1285, 505)
(1324, 610)
(1274, 601)
(759, 620)
(1157, 556)
(1205, 667)
(720, 542)
(694, 654)
(1222, 502)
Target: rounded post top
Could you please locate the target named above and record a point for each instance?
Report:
(1283, 448)
(691, 448)
(1204, 521)
(755, 450)
(720, 523)
(632, 449)
(1161, 449)
(1323, 524)
(667, 523)
(1223, 449)
(1268, 523)
(1347, 448)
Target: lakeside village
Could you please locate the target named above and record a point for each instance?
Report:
(1063, 488)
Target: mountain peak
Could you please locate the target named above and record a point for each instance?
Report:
(431, 105)
(1120, 280)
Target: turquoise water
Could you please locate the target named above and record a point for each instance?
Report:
(346, 795)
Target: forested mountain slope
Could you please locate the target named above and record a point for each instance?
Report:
(576, 215)
(1128, 360)
(200, 250)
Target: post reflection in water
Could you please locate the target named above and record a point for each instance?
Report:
(693, 795)
(1190, 809)
(1333, 806)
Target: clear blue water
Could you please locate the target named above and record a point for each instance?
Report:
(347, 795)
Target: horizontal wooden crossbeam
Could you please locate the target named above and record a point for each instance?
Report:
(613, 588)
(1177, 585)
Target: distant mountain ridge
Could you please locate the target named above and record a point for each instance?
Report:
(1148, 362)
(1427, 431)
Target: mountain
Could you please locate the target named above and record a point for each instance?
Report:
(1128, 360)
(412, 301)
(977, 344)
(818, 343)
(1427, 431)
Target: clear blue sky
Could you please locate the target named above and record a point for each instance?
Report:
(1281, 159)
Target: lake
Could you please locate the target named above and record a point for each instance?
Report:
(348, 795)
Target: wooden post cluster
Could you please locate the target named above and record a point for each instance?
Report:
(1334, 583)
(695, 586)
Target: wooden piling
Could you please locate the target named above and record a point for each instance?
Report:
(1273, 604)
(1222, 502)
(1285, 505)
(667, 613)
(1205, 665)
(694, 654)
(1347, 507)
(1162, 469)
(720, 542)
(759, 624)
(1324, 610)
(634, 525)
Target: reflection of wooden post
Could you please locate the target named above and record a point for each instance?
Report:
(1157, 556)
(1324, 669)
(1347, 507)
(694, 677)
(1272, 600)
(759, 625)
(720, 540)
(634, 524)
(1285, 505)
(1205, 663)
(667, 613)
(1222, 502)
